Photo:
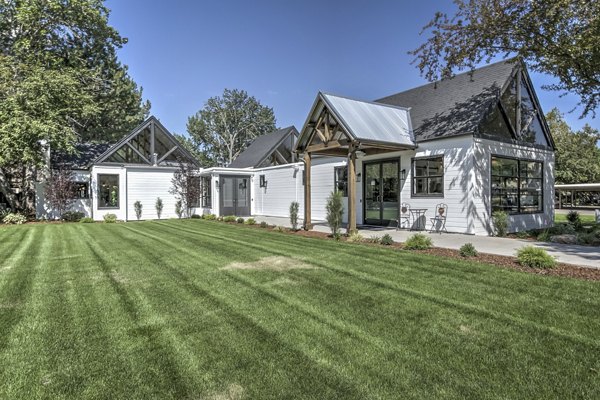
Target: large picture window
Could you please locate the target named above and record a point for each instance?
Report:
(341, 180)
(205, 192)
(108, 191)
(517, 185)
(428, 177)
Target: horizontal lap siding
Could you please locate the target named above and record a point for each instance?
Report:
(147, 186)
(483, 151)
(282, 189)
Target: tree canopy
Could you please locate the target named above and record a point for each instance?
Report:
(577, 154)
(227, 125)
(60, 79)
(557, 37)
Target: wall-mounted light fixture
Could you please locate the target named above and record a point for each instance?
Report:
(403, 175)
(358, 176)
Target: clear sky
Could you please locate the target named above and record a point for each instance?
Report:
(281, 52)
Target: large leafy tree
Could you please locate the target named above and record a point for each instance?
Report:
(556, 37)
(577, 154)
(60, 82)
(227, 124)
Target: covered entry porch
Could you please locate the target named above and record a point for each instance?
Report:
(346, 128)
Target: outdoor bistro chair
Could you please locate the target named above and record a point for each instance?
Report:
(404, 215)
(438, 223)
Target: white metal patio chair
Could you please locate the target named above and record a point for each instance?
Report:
(438, 223)
(404, 215)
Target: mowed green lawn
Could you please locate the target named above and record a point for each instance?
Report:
(157, 310)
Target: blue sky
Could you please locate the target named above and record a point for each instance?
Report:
(281, 52)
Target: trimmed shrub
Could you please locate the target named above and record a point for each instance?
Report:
(240, 220)
(294, 209)
(335, 210)
(72, 216)
(563, 229)
(110, 218)
(355, 237)
(220, 218)
(14, 219)
(468, 250)
(263, 224)
(250, 221)
(209, 217)
(500, 220)
(159, 207)
(523, 234)
(574, 217)
(543, 236)
(279, 229)
(418, 241)
(86, 220)
(534, 257)
(229, 218)
(196, 216)
(373, 239)
(589, 238)
(179, 208)
(387, 240)
(137, 206)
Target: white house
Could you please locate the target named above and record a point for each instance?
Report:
(110, 179)
(469, 145)
(474, 144)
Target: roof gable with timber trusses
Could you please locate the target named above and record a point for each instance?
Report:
(150, 143)
(335, 123)
(496, 101)
(272, 149)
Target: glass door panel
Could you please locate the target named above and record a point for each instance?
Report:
(243, 198)
(372, 193)
(390, 195)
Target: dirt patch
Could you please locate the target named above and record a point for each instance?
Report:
(233, 392)
(274, 263)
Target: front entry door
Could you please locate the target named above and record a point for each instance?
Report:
(381, 192)
(235, 195)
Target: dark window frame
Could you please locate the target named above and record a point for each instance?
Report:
(77, 190)
(262, 182)
(541, 179)
(196, 201)
(118, 206)
(336, 181)
(427, 177)
(206, 192)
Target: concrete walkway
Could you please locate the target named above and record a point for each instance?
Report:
(584, 256)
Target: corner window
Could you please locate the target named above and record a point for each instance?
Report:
(262, 181)
(340, 180)
(428, 177)
(108, 191)
(205, 192)
(517, 185)
(194, 191)
(81, 190)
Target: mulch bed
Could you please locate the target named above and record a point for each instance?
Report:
(561, 269)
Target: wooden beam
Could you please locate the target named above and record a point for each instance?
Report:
(351, 228)
(321, 136)
(138, 153)
(167, 154)
(334, 144)
(333, 153)
(307, 194)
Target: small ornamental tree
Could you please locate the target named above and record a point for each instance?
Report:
(335, 210)
(138, 209)
(178, 208)
(159, 207)
(294, 207)
(186, 187)
(60, 190)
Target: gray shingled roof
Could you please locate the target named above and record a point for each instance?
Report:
(453, 106)
(262, 147)
(83, 157)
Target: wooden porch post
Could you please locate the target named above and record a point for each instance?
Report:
(351, 190)
(307, 194)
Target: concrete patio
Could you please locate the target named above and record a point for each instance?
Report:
(585, 256)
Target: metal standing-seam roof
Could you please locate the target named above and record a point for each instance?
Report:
(372, 122)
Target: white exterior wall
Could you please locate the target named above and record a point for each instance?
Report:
(483, 150)
(146, 184)
(121, 211)
(45, 211)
